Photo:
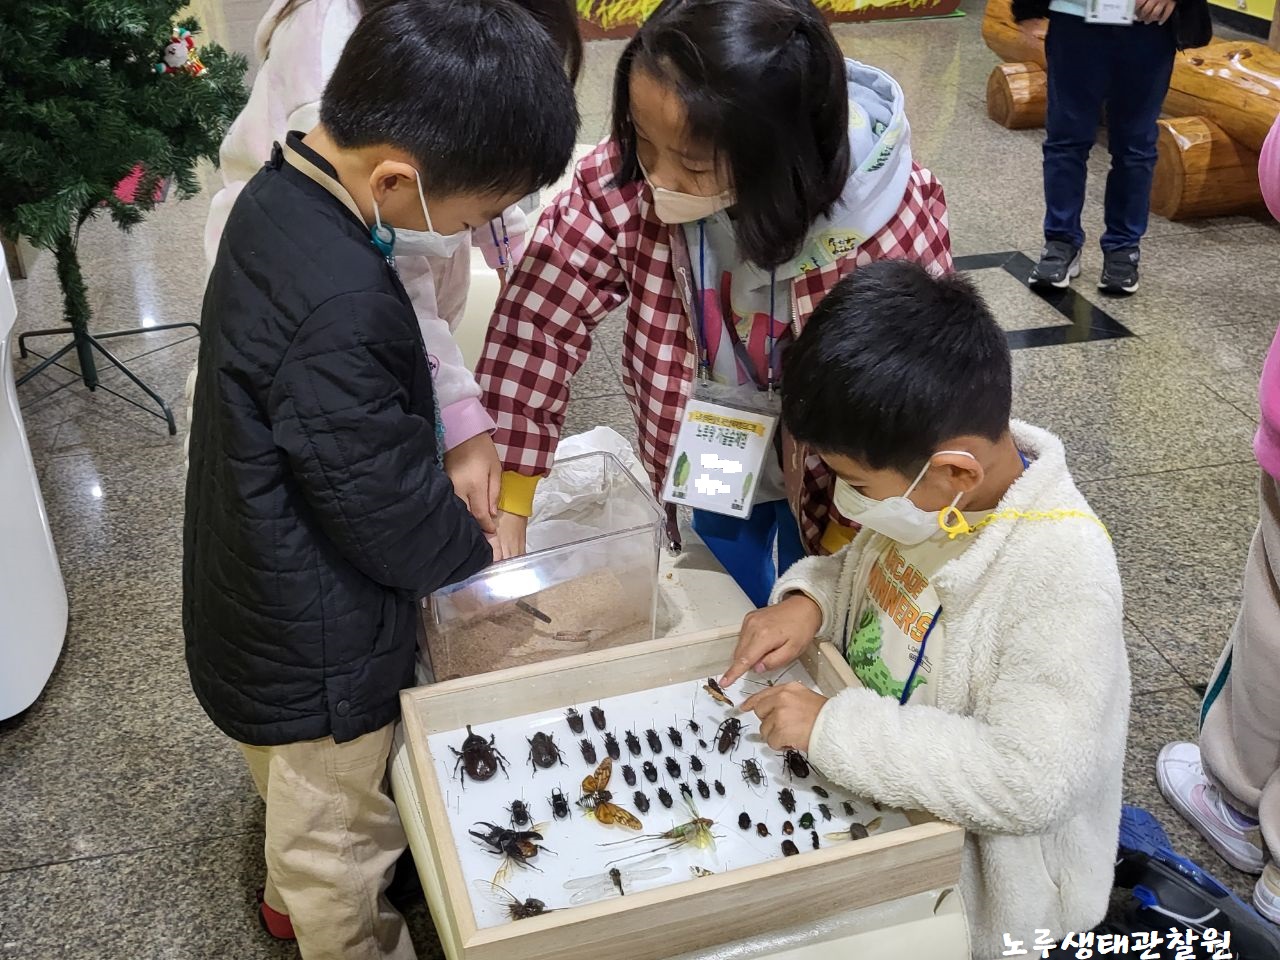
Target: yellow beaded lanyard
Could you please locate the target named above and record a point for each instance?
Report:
(952, 521)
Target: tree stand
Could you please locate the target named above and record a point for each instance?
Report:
(84, 344)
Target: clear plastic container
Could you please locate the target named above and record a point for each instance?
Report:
(588, 582)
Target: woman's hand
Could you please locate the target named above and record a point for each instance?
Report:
(787, 714)
(476, 473)
(774, 636)
(1154, 11)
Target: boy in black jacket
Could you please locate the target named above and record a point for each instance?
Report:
(1117, 53)
(317, 510)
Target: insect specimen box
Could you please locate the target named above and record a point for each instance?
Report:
(587, 582)
(697, 903)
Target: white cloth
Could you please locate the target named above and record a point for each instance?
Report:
(297, 57)
(1025, 746)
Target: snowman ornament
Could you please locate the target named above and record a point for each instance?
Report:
(180, 55)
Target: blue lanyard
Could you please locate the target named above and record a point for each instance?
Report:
(915, 667)
(740, 350)
(504, 248)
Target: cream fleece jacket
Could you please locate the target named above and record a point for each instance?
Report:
(1025, 747)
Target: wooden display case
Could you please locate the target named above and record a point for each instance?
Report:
(683, 916)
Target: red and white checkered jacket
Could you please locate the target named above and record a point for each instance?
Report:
(597, 247)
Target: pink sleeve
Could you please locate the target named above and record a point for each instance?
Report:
(498, 236)
(1266, 444)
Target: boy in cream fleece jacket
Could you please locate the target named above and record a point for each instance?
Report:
(980, 605)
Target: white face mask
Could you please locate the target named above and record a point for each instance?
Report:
(896, 517)
(427, 243)
(673, 207)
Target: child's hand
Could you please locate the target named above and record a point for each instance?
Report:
(509, 541)
(476, 473)
(774, 636)
(1154, 11)
(787, 714)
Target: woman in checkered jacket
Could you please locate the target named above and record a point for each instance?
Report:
(750, 166)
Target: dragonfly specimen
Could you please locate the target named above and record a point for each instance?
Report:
(597, 801)
(616, 881)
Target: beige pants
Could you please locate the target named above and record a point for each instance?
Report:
(333, 838)
(1240, 718)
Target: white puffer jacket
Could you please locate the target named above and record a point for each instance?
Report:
(1025, 747)
(297, 57)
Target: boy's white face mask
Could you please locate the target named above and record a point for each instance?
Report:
(895, 517)
(393, 241)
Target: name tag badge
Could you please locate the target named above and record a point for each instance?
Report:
(1109, 11)
(719, 458)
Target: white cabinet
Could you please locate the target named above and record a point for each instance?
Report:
(33, 600)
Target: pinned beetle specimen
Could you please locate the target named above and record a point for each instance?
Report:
(519, 813)
(633, 743)
(588, 750)
(703, 790)
(543, 751)
(788, 827)
(673, 735)
(629, 775)
(559, 804)
(762, 829)
(796, 764)
(717, 692)
(654, 741)
(650, 771)
(848, 808)
(597, 717)
(820, 792)
(787, 799)
(720, 788)
(673, 768)
(611, 746)
(478, 759)
(692, 724)
(665, 797)
(516, 908)
(685, 791)
(825, 811)
(575, 720)
(753, 773)
(789, 848)
(695, 764)
(744, 820)
(641, 801)
(813, 838)
(516, 847)
(806, 821)
(728, 734)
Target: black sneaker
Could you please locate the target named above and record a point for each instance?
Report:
(1059, 265)
(1119, 271)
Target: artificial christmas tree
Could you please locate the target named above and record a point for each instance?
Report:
(87, 97)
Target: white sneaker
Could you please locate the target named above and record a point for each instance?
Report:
(1266, 893)
(1184, 784)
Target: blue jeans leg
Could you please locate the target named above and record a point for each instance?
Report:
(745, 547)
(1078, 82)
(1140, 80)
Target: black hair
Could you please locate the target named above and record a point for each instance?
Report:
(473, 90)
(558, 17)
(893, 363)
(763, 82)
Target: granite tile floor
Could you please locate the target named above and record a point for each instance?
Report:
(128, 826)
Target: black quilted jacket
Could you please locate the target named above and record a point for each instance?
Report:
(1190, 21)
(316, 513)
